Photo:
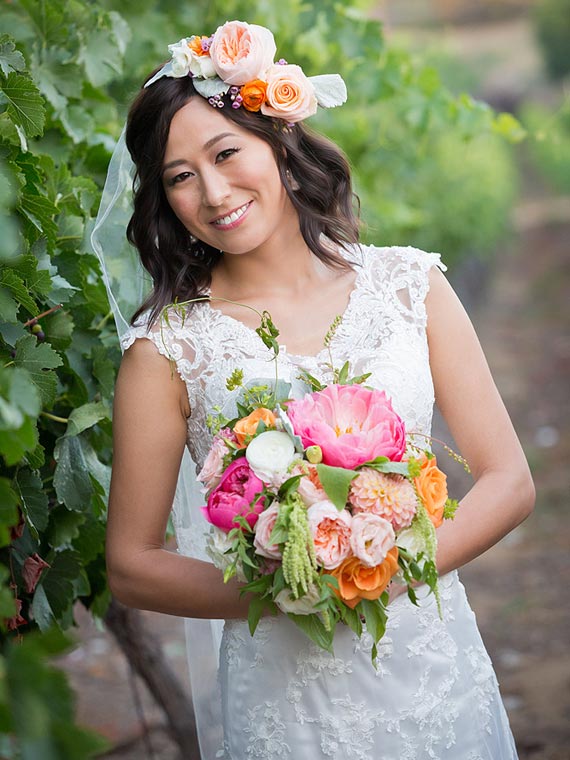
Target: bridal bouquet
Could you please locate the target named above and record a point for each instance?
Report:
(317, 504)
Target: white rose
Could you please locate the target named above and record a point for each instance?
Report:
(410, 540)
(217, 544)
(270, 453)
(181, 58)
(305, 605)
(202, 66)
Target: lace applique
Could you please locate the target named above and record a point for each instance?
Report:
(349, 732)
(267, 733)
(485, 684)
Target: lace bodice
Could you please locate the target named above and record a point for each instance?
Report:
(382, 332)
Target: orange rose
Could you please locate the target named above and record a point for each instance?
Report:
(195, 45)
(245, 429)
(356, 581)
(432, 488)
(253, 94)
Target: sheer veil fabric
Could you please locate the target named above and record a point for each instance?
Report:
(127, 285)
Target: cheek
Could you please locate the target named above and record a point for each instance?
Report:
(184, 208)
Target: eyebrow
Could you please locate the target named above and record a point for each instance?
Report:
(207, 145)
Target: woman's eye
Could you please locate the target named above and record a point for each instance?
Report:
(226, 153)
(179, 178)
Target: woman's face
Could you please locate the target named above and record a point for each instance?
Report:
(223, 183)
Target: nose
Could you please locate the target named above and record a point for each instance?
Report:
(215, 188)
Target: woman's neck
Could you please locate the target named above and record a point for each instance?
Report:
(281, 267)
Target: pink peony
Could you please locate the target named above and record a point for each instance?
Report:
(388, 495)
(289, 95)
(233, 496)
(372, 538)
(263, 528)
(331, 533)
(351, 424)
(211, 472)
(241, 52)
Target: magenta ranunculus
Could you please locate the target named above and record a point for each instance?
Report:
(350, 423)
(233, 496)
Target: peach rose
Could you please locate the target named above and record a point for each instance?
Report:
(241, 52)
(263, 528)
(356, 581)
(310, 487)
(432, 488)
(290, 95)
(331, 533)
(372, 538)
(253, 94)
(247, 426)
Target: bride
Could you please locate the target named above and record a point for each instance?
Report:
(238, 203)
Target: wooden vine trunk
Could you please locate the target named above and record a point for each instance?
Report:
(144, 653)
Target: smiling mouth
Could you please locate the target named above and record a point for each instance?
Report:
(224, 221)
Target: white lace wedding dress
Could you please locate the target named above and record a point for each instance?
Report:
(434, 693)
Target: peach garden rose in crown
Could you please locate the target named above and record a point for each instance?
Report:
(241, 52)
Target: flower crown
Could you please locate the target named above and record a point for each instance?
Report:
(239, 58)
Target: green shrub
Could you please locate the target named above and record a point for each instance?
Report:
(549, 142)
(552, 24)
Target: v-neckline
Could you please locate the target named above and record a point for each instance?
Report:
(250, 331)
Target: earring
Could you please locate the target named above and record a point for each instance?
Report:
(193, 239)
(292, 181)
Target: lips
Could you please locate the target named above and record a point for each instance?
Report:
(232, 217)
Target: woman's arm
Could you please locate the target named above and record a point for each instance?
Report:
(149, 429)
(503, 493)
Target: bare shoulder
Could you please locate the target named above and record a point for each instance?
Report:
(147, 377)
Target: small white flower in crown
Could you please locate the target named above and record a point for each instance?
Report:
(238, 60)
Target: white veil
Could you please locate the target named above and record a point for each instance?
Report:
(127, 285)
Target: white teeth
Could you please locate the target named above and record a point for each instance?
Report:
(231, 217)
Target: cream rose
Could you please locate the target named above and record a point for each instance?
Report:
(201, 66)
(330, 530)
(181, 58)
(269, 454)
(217, 544)
(263, 527)
(372, 538)
(289, 95)
(305, 605)
(241, 52)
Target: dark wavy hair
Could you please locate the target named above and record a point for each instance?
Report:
(181, 269)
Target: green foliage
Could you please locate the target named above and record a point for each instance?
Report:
(549, 142)
(552, 25)
(67, 70)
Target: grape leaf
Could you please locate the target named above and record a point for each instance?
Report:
(37, 358)
(25, 105)
(85, 417)
(71, 478)
(10, 58)
(34, 500)
(14, 283)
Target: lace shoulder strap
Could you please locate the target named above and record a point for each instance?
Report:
(400, 274)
